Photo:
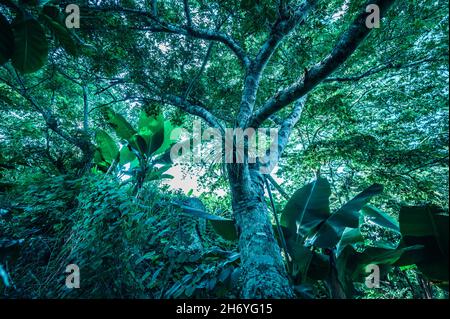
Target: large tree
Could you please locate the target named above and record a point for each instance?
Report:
(263, 271)
(242, 64)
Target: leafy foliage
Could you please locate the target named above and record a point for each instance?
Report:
(24, 40)
(87, 117)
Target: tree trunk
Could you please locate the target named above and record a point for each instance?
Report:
(263, 270)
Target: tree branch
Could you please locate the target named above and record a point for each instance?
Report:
(195, 32)
(187, 13)
(193, 109)
(283, 135)
(374, 70)
(281, 28)
(345, 46)
(200, 72)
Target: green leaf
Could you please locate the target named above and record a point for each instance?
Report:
(107, 146)
(158, 173)
(120, 125)
(380, 218)
(320, 267)
(152, 129)
(126, 156)
(308, 207)
(191, 211)
(30, 45)
(62, 34)
(379, 256)
(225, 228)
(138, 143)
(348, 215)
(6, 40)
(350, 236)
(428, 226)
(301, 256)
(222, 226)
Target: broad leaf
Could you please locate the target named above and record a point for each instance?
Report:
(222, 226)
(428, 226)
(30, 45)
(62, 34)
(380, 218)
(6, 40)
(308, 207)
(378, 256)
(126, 156)
(120, 125)
(107, 146)
(350, 236)
(139, 145)
(225, 228)
(301, 256)
(348, 215)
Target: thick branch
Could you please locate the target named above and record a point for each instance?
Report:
(375, 70)
(194, 110)
(346, 45)
(281, 28)
(200, 33)
(284, 134)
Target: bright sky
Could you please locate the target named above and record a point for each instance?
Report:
(186, 181)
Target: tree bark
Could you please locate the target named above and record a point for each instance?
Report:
(263, 270)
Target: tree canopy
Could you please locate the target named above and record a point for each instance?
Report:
(90, 116)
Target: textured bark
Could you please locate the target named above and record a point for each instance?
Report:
(263, 270)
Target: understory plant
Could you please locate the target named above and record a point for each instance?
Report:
(320, 245)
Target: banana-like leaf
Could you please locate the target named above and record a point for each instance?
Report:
(120, 125)
(139, 145)
(6, 40)
(61, 33)
(350, 236)
(301, 256)
(375, 255)
(30, 45)
(159, 173)
(308, 207)
(309, 264)
(126, 156)
(348, 215)
(380, 218)
(222, 226)
(351, 264)
(428, 226)
(151, 129)
(320, 267)
(106, 146)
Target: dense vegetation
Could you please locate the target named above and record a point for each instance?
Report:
(91, 117)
